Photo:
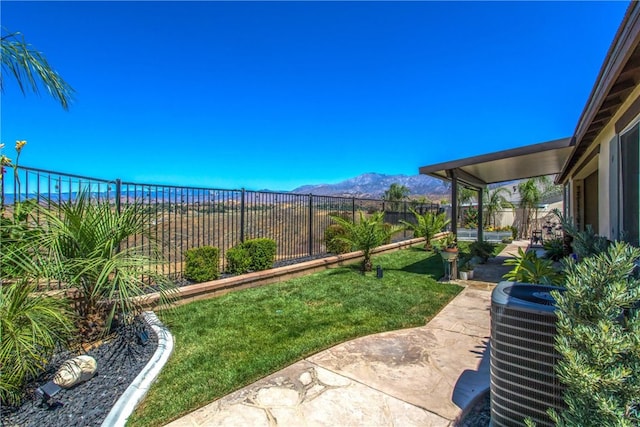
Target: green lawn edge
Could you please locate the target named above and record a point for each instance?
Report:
(225, 343)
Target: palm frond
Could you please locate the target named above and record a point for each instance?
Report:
(31, 69)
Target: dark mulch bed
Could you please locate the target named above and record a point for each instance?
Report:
(479, 415)
(119, 361)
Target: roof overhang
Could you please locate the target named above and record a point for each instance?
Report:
(618, 77)
(477, 172)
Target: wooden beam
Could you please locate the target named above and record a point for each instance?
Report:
(610, 103)
(622, 87)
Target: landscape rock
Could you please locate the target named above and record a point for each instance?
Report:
(75, 371)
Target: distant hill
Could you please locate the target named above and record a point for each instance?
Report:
(373, 185)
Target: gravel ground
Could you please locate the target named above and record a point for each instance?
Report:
(479, 415)
(119, 362)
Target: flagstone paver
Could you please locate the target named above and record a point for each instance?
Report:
(425, 376)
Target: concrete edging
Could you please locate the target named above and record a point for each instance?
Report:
(136, 391)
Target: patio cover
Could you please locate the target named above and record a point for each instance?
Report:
(477, 172)
(547, 158)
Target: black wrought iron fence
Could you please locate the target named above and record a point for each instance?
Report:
(186, 217)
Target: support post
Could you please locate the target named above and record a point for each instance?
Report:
(480, 216)
(454, 202)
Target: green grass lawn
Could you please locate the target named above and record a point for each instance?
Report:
(226, 343)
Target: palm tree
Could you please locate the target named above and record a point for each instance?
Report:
(532, 192)
(366, 234)
(31, 69)
(493, 202)
(83, 244)
(465, 195)
(395, 194)
(427, 225)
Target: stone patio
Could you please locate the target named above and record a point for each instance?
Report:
(425, 376)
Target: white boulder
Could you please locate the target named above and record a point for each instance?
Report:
(75, 371)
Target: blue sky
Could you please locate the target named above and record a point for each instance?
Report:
(279, 94)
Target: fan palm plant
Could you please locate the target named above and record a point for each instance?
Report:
(493, 202)
(532, 192)
(365, 234)
(465, 196)
(426, 225)
(31, 325)
(85, 244)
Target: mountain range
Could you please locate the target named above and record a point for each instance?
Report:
(373, 185)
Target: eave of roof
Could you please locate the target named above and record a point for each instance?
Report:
(618, 76)
(546, 158)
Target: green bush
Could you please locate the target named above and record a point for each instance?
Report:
(252, 255)
(262, 253)
(238, 260)
(554, 249)
(482, 249)
(514, 232)
(336, 246)
(202, 264)
(32, 325)
(528, 268)
(598, 338)
(426, 225)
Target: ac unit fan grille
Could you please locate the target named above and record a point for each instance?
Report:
(523, 379)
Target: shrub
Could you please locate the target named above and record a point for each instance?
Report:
(427, 225)
(471, 217)
(262, 253)
(202, 264)
(554, 249)
(238, 260)
(482, 249)
(31, 324)
(366, 234)
(514, 232)
(598, 331)
(507, 240)
(82, 243)
(336, 246)
(528, 268)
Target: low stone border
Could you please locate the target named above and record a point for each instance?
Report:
(132, 396)
(219, 287)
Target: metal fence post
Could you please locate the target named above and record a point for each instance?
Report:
(242, 213)
(118, 194)
(310, 224)
(353, 208)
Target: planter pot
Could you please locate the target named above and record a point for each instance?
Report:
(447, 255)
(465, 275)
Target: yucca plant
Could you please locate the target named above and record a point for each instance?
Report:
(365, 234)
(83, 244)
(31, 324)
(427, 225)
